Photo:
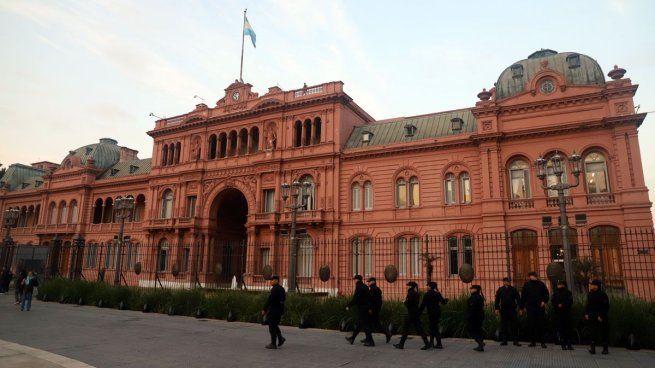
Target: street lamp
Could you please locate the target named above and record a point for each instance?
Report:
(123, 208)
(558, 164)
(10, 219)
(294, 191)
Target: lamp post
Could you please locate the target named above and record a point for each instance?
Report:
(123, 208)
(294, 191)
(558, 166)
(10, 219)
(76, 269)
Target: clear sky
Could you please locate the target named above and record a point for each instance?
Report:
(75, 71)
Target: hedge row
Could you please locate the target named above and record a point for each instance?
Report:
(627, 315)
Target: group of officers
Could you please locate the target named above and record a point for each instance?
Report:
(508, 304)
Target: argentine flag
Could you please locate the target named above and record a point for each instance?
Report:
(248, 31)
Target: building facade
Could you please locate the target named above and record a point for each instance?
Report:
(215, 175)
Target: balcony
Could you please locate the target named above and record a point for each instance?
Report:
(554, 201)
(187, 222)
(521, 203)
(164, 223)
(602, 198)
(55, 229)
(264, 218)
(311, 216)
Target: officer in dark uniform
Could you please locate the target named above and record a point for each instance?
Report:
(475, 313)
(596, 312)
(562, 301)
(506, 302)
(413, 317)
(376, 307)
(274, 309)
(361, 299)
(432, 301)
(534, 297)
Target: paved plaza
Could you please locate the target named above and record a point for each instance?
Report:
(114, 338)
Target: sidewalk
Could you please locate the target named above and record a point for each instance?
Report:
(19, 356)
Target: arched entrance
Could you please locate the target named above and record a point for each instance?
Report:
(229, 214)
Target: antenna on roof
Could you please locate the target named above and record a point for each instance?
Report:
(200, 98)
(153, 114)
(637, 108)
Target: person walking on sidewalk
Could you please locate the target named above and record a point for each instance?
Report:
(505, 304)
(413, 318)
(475, 312)
(432, 301)
(361, 299)
(18, 292)
(273, 311)
(376, 308)
(29, 283)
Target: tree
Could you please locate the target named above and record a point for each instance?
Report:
(2, 171)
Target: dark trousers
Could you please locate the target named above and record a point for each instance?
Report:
(363, 324)
(564, 328)
(475, 330)
(376, 325)
(434, 320)
(599, 332)
(274, 329)
(413, 320)
(536, 325)
(509, 325)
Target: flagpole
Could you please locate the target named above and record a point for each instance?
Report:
(243, 36)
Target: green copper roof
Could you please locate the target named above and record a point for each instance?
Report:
(128, 168)
(426, 126)
(587, 71)
(17, 174)
(105, 153)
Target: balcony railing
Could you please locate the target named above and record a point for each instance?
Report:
(521, 203)
(554, 201)
(267, 217)
(304, 216)
(603, 198)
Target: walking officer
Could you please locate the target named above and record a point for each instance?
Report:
(376, 307)
(596, 312)
(562, 301)
(432, 301)
(506, 302)
(413, 317)
(534, 297)
(274, 309)
(475, 312)
(361, 299)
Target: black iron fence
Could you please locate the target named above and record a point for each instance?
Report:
(623, 260)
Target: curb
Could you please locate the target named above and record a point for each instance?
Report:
(59, 360)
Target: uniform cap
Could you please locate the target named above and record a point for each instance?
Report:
(507, 279)
(371, 279)
(357, 277)
(596, 282)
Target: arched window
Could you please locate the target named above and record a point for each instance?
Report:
(414, 192)
(308, 193)
(402, 256)
(465, 187)
(356, 197)
(305, 257)
(415, 256)
(52, 214)
(595, 167)
(254, 140)
(317, 130)
(243, 141)
(551, 178)
(519, 174)
(37, 214)
(307, 133)
(171, 154)
(74, 212)
(356, 254)
(108, 213)
(449, 188)
(22, 217)
(97, 211)
(232, 141)
(178, 152)
(167, 204)
(460, 251)
(362, 256)
(401, 193)
(297, 134)
(212, 146)
(557, 245)
(222, 145)
(524, 254)
(63, 213)
(368, 195)
(162, 256)
(164, 155)
(139, 207)
(606, 253)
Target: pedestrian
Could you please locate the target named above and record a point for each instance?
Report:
(376, 307)
(18, 292)
(562, 301)
(361, 299)
(413, 318)
(534, 297)
(506, 301)
(273, 311)
(29, 283)
(596, 312)
(475, 312)
(5, 279)
(432, 301)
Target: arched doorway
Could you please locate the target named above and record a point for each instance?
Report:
(228, 222)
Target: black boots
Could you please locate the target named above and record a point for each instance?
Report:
(281, 341)
(350, 339)
(592, 349)
(516, 343)
(605, 350)
(480, 345)
(399, 346)
(388, 335)
(271, 346)
(504, 343)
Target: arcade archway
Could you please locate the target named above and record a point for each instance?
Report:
(228, 221)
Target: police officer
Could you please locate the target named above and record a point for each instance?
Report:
(562, 301)
(506, 302)
(596, 312)
(534, 297)
(413, 317)
(432, 301)
(376, 307)
(475, 312)
(274, 309)
(361, 299)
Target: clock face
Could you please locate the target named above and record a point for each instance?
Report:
(235, 96)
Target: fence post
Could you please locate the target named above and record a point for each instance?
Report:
(507, 255)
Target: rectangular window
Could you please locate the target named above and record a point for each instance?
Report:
(163, 260)
(402, 257)
(596, 178)
(265, 254)
(186, 255)
(467, 246)
(191, 206)
(108, 256)
(269, 200)
(368, 257)
(453, 264)
(355, 258)
(368, 196)
(415, 245)
(450, 191)
(414, 193)
(520, 188)
(401, 195)
(466, 190)
(129, 250)
(356, 200)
